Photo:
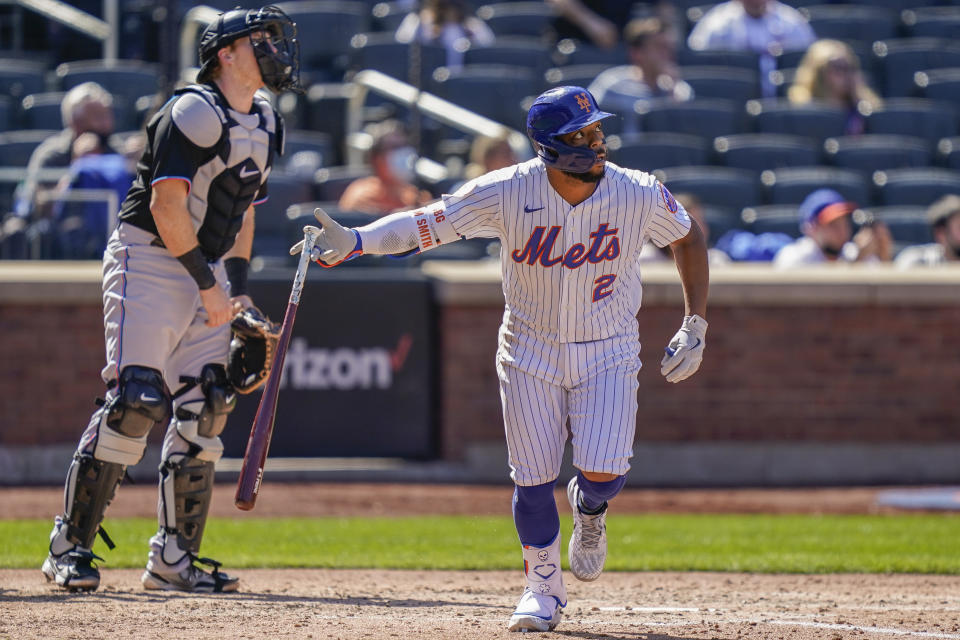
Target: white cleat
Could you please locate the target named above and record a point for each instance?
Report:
(189, 578)
(536, 612)
(588, 545)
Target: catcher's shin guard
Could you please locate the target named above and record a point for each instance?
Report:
(90, 487)
(186, 486)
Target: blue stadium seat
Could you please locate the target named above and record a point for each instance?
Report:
(939, 84)
(331, 182)
(790, 185)
(813, 120)
(387, 16)
(522, 51)
(19, 78)
(574, 52)
(127, 80)
(852, 22)
(948, 153)
(7, 114)
(649, 151)
(876, 152)
(42, 110)
(914, 117)
(707, 118)
(494, 91)
(898, 59)
(17, 146)
(760, 151)
(920, 187)
(380, 51)
(303, 149)
(908, 224)
(517, 18)
(742, 59)
(730, 83)
(324, 29)
(580, 75)
(772, 218)
(719, 187)
(932, 22)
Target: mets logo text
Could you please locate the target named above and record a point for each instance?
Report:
(583, 102)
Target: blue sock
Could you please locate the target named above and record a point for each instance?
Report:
(594, 495)
(535, 514)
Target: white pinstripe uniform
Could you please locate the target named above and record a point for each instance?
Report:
(568, 345)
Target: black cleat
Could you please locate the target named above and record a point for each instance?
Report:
(73, 570)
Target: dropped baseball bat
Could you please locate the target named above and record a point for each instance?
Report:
(251, 473)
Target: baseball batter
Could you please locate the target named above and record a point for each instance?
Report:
(571, 226)
(183, 242)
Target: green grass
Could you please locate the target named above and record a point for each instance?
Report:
(751, 543)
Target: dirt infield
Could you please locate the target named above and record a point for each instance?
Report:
(405, 605)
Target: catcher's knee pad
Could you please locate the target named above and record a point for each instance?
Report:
(200, 422)
(141, 402)
(91, 485)
(186, 484)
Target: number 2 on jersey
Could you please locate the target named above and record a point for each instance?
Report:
(604, 287)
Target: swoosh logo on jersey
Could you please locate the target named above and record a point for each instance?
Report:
(244, 174)
(529, 210)
(145, 398)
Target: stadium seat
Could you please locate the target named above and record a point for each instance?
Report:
(812, 120)
(387, 16)
(896, 5)
(932, 22)
(127, 80)
(16, 146)
(914, 117)
(707, 118)
(580, 75)
(772, 218)
(852, 22)
(730, 83)
(305, 152)
(517, 18)
(7, 114)
(948, 153)
(720, 187)
(325, 28)
(19, 78)
(898, 59)
(522, 51)
(742, 59)
(275, 233)
(380, 51)
(919, 187)
(649, 151)
(494, 91)
(574, 52)
(875, 152)
(331, 182)
(939, 84)
(42, 110)
(790, 185)
(760, 151)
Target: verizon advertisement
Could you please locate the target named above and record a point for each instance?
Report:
(359, 373)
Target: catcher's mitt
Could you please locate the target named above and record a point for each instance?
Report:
(252, 348)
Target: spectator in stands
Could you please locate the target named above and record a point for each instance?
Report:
(593, 21)
(652, 72)
(828, 234)
(391, 187)
(766, 27)
(830, 72)
(651, 253)
(86, 108)
(83, 225)
(944, 218)
(489, 154)
(449, 23)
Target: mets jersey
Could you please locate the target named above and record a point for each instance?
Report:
(570, 273)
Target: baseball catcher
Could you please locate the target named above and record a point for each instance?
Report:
(174, 276)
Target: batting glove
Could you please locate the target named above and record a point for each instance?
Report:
(683, 355)
(335, 243)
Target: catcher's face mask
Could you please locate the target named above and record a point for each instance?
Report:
(276, 49)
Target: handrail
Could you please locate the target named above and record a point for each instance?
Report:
(426, 103)
(69, 16)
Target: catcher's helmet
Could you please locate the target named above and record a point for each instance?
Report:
(278, 56)
(559, 111)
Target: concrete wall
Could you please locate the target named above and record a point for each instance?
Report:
(819, 376)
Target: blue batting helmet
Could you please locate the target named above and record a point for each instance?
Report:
(559, 111)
